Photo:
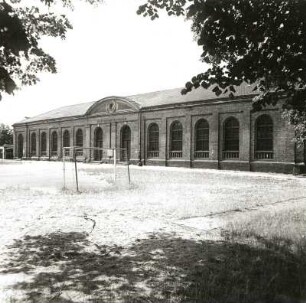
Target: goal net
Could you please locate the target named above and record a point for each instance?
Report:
(94, 168)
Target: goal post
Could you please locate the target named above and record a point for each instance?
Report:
(2, 153)
(112, 156)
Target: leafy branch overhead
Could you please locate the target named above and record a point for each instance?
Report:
(251, 41)
(22, 25)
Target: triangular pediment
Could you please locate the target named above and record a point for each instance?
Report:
(113, 105)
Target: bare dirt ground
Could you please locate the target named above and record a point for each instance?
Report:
(121, 242)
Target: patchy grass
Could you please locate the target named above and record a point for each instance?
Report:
(275, 239)
(120, 243)
(68, 267)
(287, 224)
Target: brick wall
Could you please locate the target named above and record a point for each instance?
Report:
(284, 155)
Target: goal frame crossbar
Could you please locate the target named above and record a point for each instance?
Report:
(111, 153)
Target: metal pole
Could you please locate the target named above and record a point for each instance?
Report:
(64, 173)
(129, 172)
(115, 163)
(76, 171)
(128, 165)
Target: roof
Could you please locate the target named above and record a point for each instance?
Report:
(62, 112)
(173, 96)
(159, 98)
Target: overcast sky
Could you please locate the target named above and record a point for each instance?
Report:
(110, 51)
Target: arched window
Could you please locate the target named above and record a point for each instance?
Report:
(98, 141)
(79, 138)
(79, 141)
(66, 138)
(33, 144)
(201, 139)
(125, 143)
(153, 141)
(66, 142)
(43, 144)
(176, 140)
(54, 139)
(264, 137)
(231, 139)
(20, 146)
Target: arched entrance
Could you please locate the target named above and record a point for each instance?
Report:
(98, 137)
(20, 146)
(125, 143)
(33, 145)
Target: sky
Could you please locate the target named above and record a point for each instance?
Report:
(111, 51)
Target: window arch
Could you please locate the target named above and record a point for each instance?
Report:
(264, 137)
(176, 140)
(79, 141)
(153, 141)
(98, 142)
(54, 143)
(43, 144)
(201, 139)
(33, 144)
(231, 138)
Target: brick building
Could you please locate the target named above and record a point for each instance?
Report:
(166, 128)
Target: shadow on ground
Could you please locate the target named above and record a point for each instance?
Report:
(68, 268)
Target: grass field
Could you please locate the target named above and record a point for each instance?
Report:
(172, 235)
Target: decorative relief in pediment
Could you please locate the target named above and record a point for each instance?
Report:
(111, 107)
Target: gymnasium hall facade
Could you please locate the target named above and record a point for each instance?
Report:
(198, 130)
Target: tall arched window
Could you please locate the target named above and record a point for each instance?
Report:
(153, 141)
(54, 144)
(201, 139)
(125, 143)
(66, 138)
(33, 144)
(98, 141)
(176, 140)
(79, 141)
(66, 142)
(20, 146)
(264, 137)
(43, 144)
(231, 139)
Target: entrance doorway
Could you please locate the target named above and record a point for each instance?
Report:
(125, 143)
(98, 137)
(20, 146)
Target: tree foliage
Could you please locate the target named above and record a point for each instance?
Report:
(22, 25)
(6, 134)
(252, 41)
